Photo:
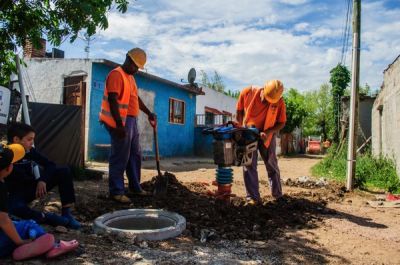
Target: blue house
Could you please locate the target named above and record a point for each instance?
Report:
(81, 82)
(174, 104)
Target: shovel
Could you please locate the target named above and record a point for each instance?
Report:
(161, 184)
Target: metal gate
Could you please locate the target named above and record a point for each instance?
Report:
(58, 132)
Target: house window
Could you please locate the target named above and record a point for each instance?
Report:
(176, 111)
(225, 119)
(209, 118)
(227, 116)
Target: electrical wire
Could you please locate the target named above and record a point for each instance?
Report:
(346, 32)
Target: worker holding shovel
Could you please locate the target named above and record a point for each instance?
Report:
(264, 109)
(119, 113)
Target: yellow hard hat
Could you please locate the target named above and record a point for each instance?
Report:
(273, 90)
(10, 154)
(138, 56)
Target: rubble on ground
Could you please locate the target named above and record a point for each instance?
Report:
(306, 182)
(216, 230)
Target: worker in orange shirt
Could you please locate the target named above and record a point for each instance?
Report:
(264, 109)
(119, 113)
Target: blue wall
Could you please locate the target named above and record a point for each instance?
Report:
(97, 132)
(174, 139)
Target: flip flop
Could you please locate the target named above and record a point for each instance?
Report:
(35, 248)
(62, 248)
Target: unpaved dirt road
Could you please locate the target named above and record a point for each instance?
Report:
(315, 225)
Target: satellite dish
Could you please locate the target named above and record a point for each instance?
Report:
(192, 76)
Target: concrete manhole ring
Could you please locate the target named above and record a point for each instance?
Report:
(144, 224)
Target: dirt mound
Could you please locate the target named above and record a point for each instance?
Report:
(209, 218)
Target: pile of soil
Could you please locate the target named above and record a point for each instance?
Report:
(214, 227)
(209, 218)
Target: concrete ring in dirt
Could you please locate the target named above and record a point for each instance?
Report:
(144, 224)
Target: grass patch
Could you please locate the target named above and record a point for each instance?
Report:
(371, 172)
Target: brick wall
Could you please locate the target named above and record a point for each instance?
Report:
(31, 52)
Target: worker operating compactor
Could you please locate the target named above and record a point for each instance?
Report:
(232, 146)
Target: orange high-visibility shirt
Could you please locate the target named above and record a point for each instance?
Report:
(261, 114)
(115, 84)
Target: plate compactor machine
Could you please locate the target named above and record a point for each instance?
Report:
(232, 146)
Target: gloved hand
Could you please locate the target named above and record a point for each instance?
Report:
(153, 119)
(120, 132)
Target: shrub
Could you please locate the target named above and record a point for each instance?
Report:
(379, 172)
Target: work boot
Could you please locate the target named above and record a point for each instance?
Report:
(142, 193)
(121, 198)
(252, 202)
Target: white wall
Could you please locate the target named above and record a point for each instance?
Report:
(216, 100)
(45, 76)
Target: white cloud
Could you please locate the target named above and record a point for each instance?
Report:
(301, 26)
(248, 42)
(117, 54)
(294, 2)
(127, 27)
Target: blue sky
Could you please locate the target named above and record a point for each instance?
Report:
(249, 42)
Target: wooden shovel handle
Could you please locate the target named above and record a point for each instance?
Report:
(156, 147)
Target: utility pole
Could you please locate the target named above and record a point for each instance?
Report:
(25, 111)
(355, 77)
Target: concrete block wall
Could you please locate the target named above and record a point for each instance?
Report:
(386, 116)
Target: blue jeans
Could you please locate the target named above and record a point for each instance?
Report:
(126, 156)
(18, 200)
(7, 246)
(271, 163)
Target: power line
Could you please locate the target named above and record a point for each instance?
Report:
(346, 32)
(343, 38)
(347, 43)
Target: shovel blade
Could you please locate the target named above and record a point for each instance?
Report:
(160, 185)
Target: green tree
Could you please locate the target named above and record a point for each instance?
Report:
(324, 112)
(30, 20)
(295, 110)
(340, 78)
(310, 122)
(234, 94)
(217, 84)
(205, 80)
(366, 90)
(319, 119)
(362, 90)
(214, 82)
